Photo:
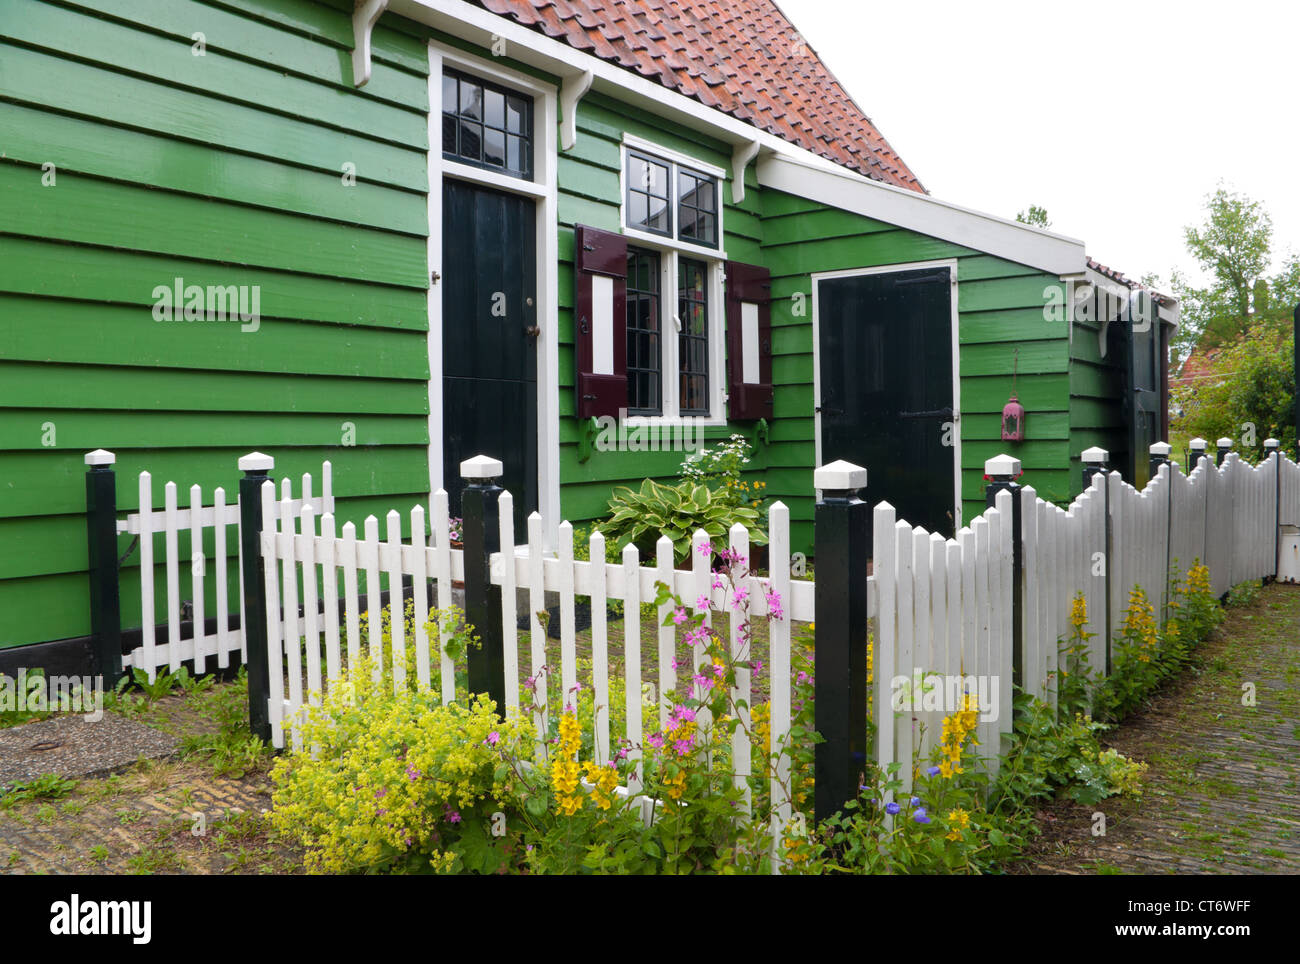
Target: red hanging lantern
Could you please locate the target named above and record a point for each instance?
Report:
(1013, 413)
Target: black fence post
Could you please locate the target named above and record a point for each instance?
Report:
(481, 536)
(1274, 449)
(101, 541)
(1001, 471)
(842, 534)
(1223, 446)
(1195, 452)
(1159, 455)
(256, 468)
(1094, 461)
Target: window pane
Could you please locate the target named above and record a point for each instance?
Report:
(636, 209)
(471, 141)
(658, 220)
(494, 109)
(471, 100)
(516, 115)
(494, 148)
(514, 153)
(693, 342)
(449, 134)
(643, 323)
(449, 95)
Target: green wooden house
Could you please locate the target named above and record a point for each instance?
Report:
(454, 227)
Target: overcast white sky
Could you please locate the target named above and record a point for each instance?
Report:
(1117, 117)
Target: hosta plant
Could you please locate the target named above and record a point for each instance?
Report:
(639, 516)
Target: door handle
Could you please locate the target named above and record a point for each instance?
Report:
(532, 331)
(828, 411)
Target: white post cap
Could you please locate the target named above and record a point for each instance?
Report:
(1197, 444)
(1161, 448)
(100, 457)
(1002, 465)
(1272, 443)
(1224, 443)
(481, 467)
(256, 462)
(1095, 455)
(839, 476)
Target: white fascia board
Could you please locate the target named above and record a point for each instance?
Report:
(848, 191)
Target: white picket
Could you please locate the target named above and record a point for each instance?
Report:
(568, 643)
(741, 653)
(632, 661)
(885, 643)
(420, 597)
(904, 646)
(509, 599)
(396, 602)
(219, 575)
(938, 659)
(274, 643)
(290, 636)
(310, 604)
(330, 598)
(536, 632)
(442, 573)
(667, 635)
(599, 645)
(779, 668)
(351, 595)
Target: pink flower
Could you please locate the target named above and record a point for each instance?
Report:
(774, 604)
(758, 666)
(717, 582)
(702, 602)
(739, 598)
(679, 615)
(705, 548)
(453, 816)
(493, 738)
(412, 773)
(656, 740)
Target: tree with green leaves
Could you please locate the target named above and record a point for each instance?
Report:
(1037, 216)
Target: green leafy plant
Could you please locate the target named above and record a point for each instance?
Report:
(639, 517)
(47, 786)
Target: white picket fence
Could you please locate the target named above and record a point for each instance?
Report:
(941, 608)
(183, 549)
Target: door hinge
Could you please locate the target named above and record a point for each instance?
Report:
(434, 278)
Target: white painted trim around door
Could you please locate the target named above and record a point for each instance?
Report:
(951, 265)
(544, 190)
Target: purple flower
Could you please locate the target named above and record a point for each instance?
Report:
(892, 808)
(705, 549)
(381, 792)
(412, 773)
(932, 771)
(493, 738)
(914, 802)
(919, 816)
(453, 816)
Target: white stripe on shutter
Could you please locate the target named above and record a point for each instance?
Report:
(602, 322)
(749, 339)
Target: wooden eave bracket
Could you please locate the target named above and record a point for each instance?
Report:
(364, 16)
(572, 90)
(741, 155)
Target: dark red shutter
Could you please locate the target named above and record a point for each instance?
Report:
(601, 382)
(749, 387)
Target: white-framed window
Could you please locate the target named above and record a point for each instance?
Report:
(672, 219)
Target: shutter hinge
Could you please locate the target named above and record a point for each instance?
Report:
(434, 278)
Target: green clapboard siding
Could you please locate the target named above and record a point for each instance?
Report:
(128, 162)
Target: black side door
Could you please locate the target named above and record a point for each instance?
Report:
(885, 363)
(489, 353)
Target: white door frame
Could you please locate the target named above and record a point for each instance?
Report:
(951, 265)
(543, 189)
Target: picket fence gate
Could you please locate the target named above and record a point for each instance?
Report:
(186, 533)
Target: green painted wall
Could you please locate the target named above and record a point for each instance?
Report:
(222, 169)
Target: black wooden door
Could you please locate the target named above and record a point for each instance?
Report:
(885, 360)
(1144, 398)
(489, 343)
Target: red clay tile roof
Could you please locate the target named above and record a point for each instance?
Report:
(739, 56)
